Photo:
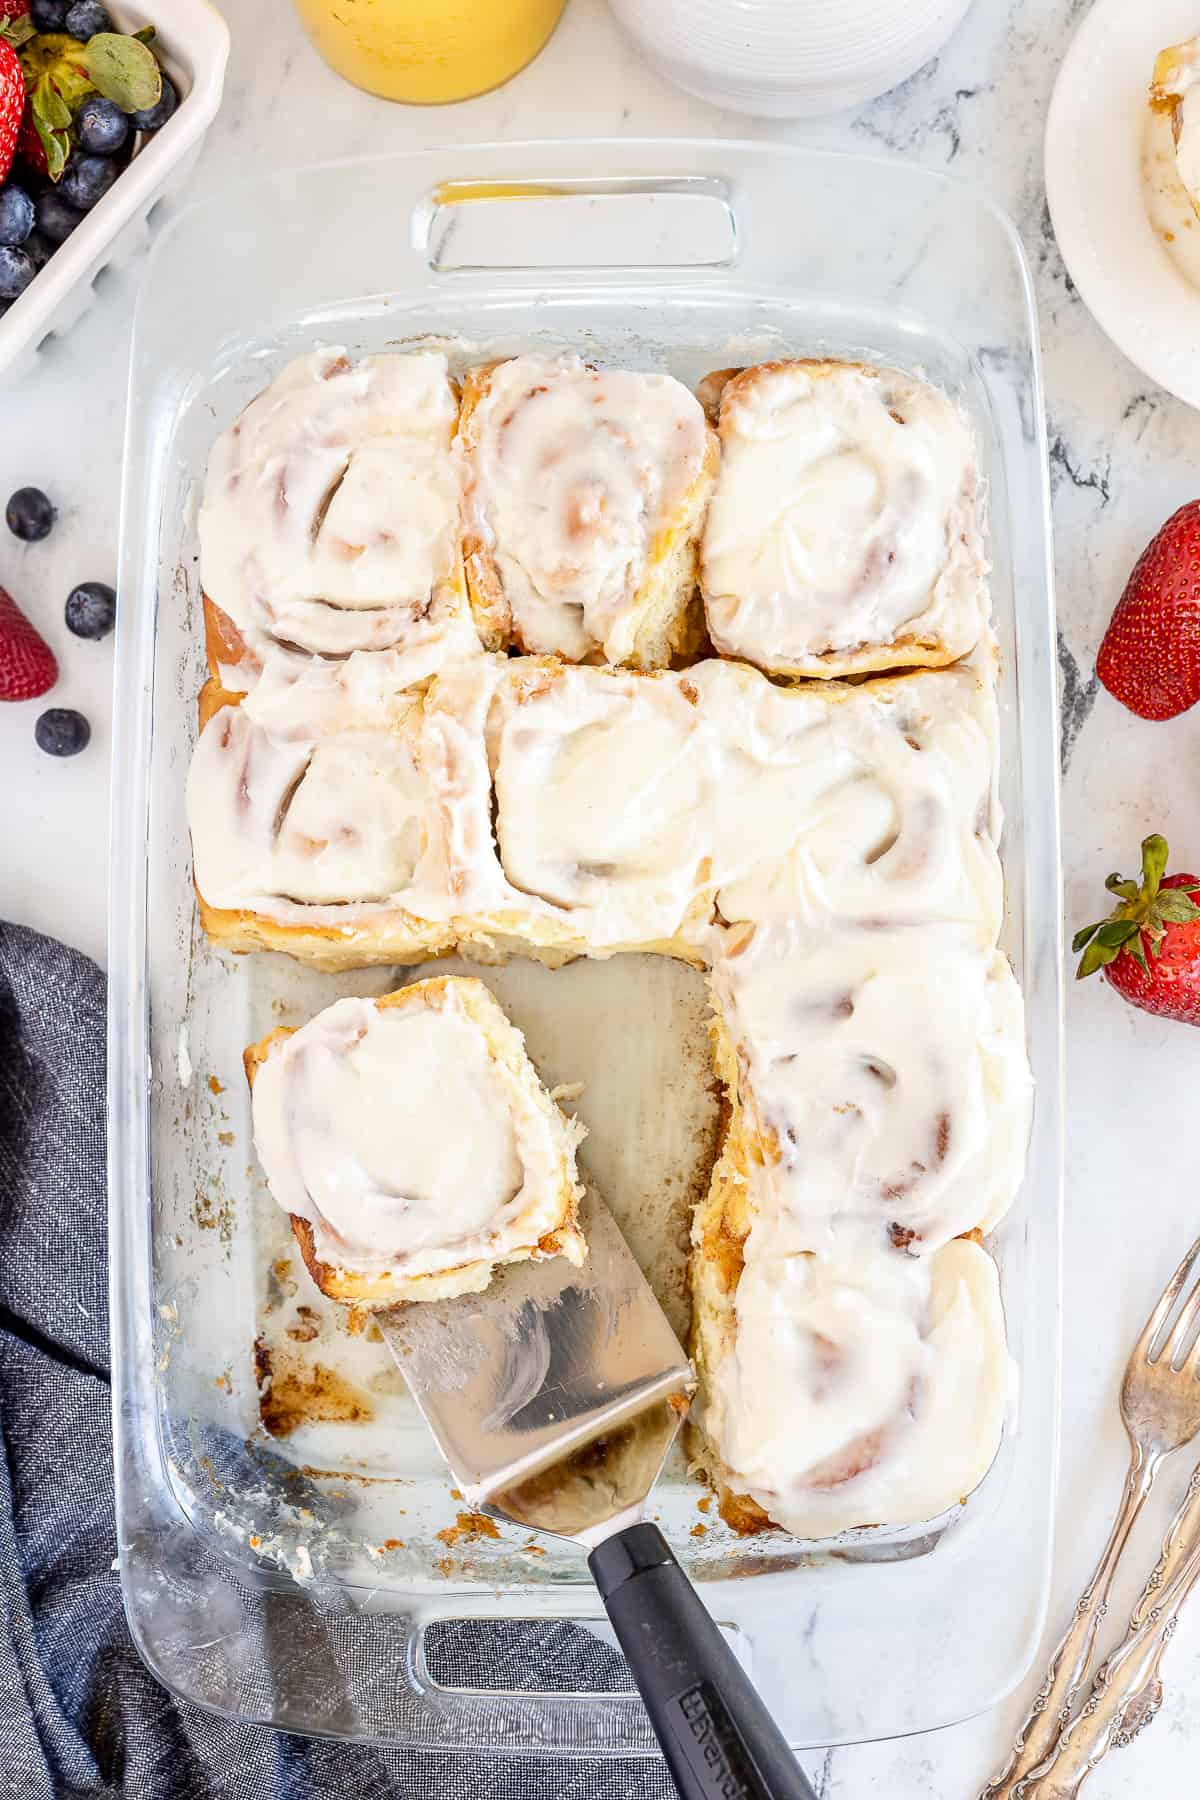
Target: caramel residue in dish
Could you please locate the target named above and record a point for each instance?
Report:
(468, 1527)
(292, 1394)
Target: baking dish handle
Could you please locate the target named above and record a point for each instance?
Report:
(650, 222)
(716, 1734)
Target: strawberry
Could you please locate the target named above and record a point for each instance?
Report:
(1149, 947)
(1150, 657)
(30, 147)
(27, 665)
(12, 104)
(13, 9)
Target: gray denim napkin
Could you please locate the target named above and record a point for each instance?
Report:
(79, 1715)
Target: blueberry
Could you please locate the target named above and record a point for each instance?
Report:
(101, 126)
(49, 15)
(16, 214)
(16, 272)
(87, 179)
(85, 18)
(91, 609)
(61, 731)
(157, 115)
(55, 218)
(30, 514)
(38, 249)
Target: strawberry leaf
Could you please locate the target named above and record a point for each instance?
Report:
(56, 147)
(1117, 884)
(1096, 956)
(1176, 907)
(1139, 955)
(1115, 932)
(1083, 937)
(17, 31)
(49, 107)
(1154, 862)
(124, 71)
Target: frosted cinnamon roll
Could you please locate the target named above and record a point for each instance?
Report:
(867, 1390)
(330, 848)
(879, 1082)
(330, 533)
(1173, 91)
(842, 534)
(586, 491)
(853, 802)
(413, 1145)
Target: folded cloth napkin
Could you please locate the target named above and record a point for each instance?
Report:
(79, 1714)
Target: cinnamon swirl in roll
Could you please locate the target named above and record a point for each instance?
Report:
(842, 534)
(329, 847)
(881, 1084)
(586, 491)
(868, 1388)
(413, 1145)
(331, 535)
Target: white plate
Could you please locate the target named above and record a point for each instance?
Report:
(1096, 140)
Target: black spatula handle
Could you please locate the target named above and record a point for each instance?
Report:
(719, 1740)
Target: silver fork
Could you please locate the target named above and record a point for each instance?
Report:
(1160, 1409)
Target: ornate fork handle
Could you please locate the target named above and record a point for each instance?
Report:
(1052, 1706)
(1130, 1671)
(1183, 1533)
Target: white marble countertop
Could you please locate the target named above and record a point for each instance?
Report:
(1123, 456)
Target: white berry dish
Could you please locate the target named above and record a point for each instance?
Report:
(192, 45)
(278, 1496)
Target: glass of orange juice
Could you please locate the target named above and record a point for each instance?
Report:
(429, 51)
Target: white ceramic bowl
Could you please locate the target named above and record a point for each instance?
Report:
(788, 59)
(193, 45)
(1096, 137)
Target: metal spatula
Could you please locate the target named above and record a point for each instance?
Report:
(554, 1397)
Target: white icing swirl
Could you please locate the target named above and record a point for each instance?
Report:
(403, 1139)
(843, 519)
(870, 1389)
(574, 474)
(330, 523)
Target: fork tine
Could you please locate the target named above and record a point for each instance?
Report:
(1170, 1295)
(1188, 1313)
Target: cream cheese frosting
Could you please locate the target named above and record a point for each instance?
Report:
(330, 526)
(863, 1389)
(404, 1140)
(573, 475)
(609, 808)
(843, 520)
(1174, 89)
(885, 1073)
(307, 828)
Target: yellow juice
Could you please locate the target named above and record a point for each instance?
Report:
(429, 51)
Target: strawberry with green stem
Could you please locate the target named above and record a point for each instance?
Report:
(1149, 946)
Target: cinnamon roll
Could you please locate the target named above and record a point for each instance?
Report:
(586, 491)
(842, 533)
(1176, 72)
(413, 1145)
(866, 1389)
(331, 848)
(330, 534)
(880, 1084)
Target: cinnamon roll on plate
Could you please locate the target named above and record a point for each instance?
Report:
(842, 535)
(331, 535)
(586, 491)
(413, 1145)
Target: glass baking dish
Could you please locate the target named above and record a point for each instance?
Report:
(299, 1578)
